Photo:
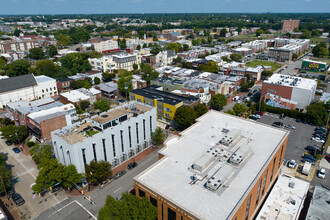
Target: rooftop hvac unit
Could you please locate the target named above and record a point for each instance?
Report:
(237, 157)
(219, 178)
(230, 137)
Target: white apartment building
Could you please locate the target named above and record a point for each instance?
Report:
(110, 63)
(106, 46)
(26, 87)
(255, 46)
(115, 136)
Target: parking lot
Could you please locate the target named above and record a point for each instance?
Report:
(299, 139)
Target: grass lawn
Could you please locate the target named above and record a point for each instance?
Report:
(92, 132)
(316, 40)
(326, 60)
(255, 63)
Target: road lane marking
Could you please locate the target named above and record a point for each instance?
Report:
(62, 208)
(85, 209)
(117, 190)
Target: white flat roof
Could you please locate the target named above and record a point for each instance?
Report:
(285, 202)
(42, 78)
(286, 80)
(75, 96)
(171, 176)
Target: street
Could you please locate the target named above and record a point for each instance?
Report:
(78, 208)
(25, 172)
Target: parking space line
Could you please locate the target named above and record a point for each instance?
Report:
(117, 190)
(62, 208)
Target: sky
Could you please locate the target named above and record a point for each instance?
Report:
(12, 7)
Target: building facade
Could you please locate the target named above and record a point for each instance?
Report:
(290, 25)
(115, 136)
(222, 167)
(107, 46)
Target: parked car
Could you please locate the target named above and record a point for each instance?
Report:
(18, 199)
(320, 132)
(327, 158)
(278, 124)
(291, 164)
(9, 143)
(321, 173)
(282, 116)
(309, 160)
(257, 116)
(310, 148)
(317, 139)
(132, 165)
(249, 94)
(10, 190)
(55, 189)
(104, 183)
(119, 174)
(16, 150)
(290, 126)
(259, 113)
(309, 157)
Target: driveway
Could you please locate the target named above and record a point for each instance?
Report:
(25, 172)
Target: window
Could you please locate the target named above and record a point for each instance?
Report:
(54, 88)
(141, 193)
(137, 133)
(113, 145)
(248, 208)
(263, 187)
(46, 90)
(258, 193)
(122, 140)
(144, 129)
(279, 162)
(167, 115)
(50, 89)
(43, 91)
(153, 201)
(104, 150)
(271, 175)
(129, 136)
(94, 152)
(167, 109)
(171, 214)
(150, 124)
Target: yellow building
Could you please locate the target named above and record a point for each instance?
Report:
(165, 103)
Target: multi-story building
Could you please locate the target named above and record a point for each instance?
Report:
(82, 94)
(256, 46)
(293, 88)
(165, 103)
(290, 25)
(319, 205)
(115, 136)
(26, 87)
(109, 90)
(63, 85)
(107, 46)
(222, 167)
(17, 45)
(43, 122)
(110, 63)
(254, 72)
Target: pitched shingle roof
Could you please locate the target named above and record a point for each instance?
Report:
(18, 82)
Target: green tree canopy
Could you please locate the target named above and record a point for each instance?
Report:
(174, 46)
(200, 109)
(97, 80)
(129, 207)
(16, 134)
(223, 32)
(148, 73)
(3, 62)
(39, 152)
(36, 53)
(5, 173)
(211, 67)
(318, 113)
(76, 62)
(184, 117)
(218, 101)
(81, 83)
(103, 105)
(239, 108)
(45, 67)
(97, 171)
(84, 104)
(51, 50)
(107, 77)
(158, 136)
(236, 57)
(125, 82)
(17, 68)
(259, 32)
(17, 32)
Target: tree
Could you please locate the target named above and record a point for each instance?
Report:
(154, 37)
(177, 60)
(103, 105)
(158, 136)
(138, 47)
(36, 53)
(81, 83)
(185, 47)
(184, 117)
(266, 73)
(149, 73)
(125, 82)
(84, 104)
(45, 67)
(231, 112)
(97, 171)
(97, 80)
(223, 32)
(259, 32)
(174, 46)
(5, 173)
(318, 113)
(6, 121)
(107, 77)
(236, 57)
(17, 68)
(51, 50)
(16, 134)
(129, 207)
(76, 62)
(226, 59)
(218, 101)
(200, 109)
(294, 56)
(17, 32)
(288, 34)
(239, 108)
(211, 67)
(39, 152)
(3, 62)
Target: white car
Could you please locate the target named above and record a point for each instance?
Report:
(290, 126)
(257, 116)
(316, 139)
(291, 163)
(321, 173)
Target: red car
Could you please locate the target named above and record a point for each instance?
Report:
(327, 158)
(260, 113)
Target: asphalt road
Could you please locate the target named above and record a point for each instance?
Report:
(78, 208)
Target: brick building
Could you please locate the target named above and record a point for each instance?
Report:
(222, 167)
(289, 25)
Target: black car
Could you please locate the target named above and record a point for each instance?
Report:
(18, 199)
(119, 174)
(10, 190)
(249, 94)
(8, 143)
(132, 165)
(278, 124)
(55, 189)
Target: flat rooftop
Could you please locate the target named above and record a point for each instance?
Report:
(285, 200)
(182, 174)
(319, 207)
(292, 81)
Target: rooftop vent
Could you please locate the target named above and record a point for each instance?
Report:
(292, 184)
(104, 116)
(219, 178)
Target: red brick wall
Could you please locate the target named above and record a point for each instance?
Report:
(283, 91)
(52, 124)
